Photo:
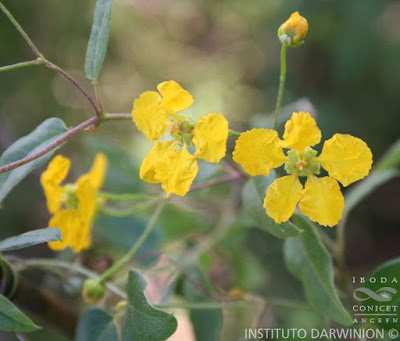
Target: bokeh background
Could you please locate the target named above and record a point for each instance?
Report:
(226, 53)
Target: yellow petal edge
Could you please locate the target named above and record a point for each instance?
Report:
(322, 201)
(210, 135)
(346, 158)
(301, 131)
(282, 198)
(258, 151)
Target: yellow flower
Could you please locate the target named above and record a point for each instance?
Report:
(72, 205)
(169, 162)
(346, 159)
(293, 30)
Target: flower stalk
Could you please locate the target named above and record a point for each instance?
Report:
(282, 80)
(135, 248)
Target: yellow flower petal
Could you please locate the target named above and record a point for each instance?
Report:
(296, 27)
(150, 118)
(210, 135)
(301, 131)
(346, 158)
(86, 195)
(322, 201)
(51, 179)
(258, 151)
(66, 221)
(156, 153)
(175, 98)
(177, 171)
(282, 198)
(98, 171)
(85, 211)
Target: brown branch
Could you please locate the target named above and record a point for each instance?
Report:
(50, 147)
(74, 83)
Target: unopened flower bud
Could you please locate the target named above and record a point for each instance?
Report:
(92, 291)
(293, 30)
(121, 305)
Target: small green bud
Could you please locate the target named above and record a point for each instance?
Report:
(93, 291)
(121, 305)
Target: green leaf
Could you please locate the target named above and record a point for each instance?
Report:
(385, 276)
(12, 319)
(365, 187)
(388, 270)
(253, 198)
(96, 325)
(97, 46)
(142, 321)
(391, 159)
(308, 260)
(31, 238)
(43, 135)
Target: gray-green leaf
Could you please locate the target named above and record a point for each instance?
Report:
(142, 321)
(383, 279)
(97, 45)
(43, 135)
(388, 273)
(391, 159)
(96, 325)
(253, 198)
(31, 238)
(12, 319)
(308, 260)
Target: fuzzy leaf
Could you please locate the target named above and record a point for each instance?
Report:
(308, 260)
(12, 319)
(97, 45)
(96, 325)
(43, 135)
(142, 321)
(31, 238)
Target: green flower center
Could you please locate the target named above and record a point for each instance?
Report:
(182, 131)
(304, 164)
(69, 199)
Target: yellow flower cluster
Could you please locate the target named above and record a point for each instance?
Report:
(346, 159)
(72, 205)
(169, 161)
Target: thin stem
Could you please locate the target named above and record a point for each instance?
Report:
(22, 64)
(329, 243)
(234, 133)
(135, 248)
(45, 61)
(98, 97)
(128, 196)
(282, 79)
(21, 31)
(217, 181)
(116, 116)
(50, 147)
(340, 254)
(68, 77)
(129, 211)
(50, 263)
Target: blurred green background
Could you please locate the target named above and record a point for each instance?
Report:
(226, 53)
